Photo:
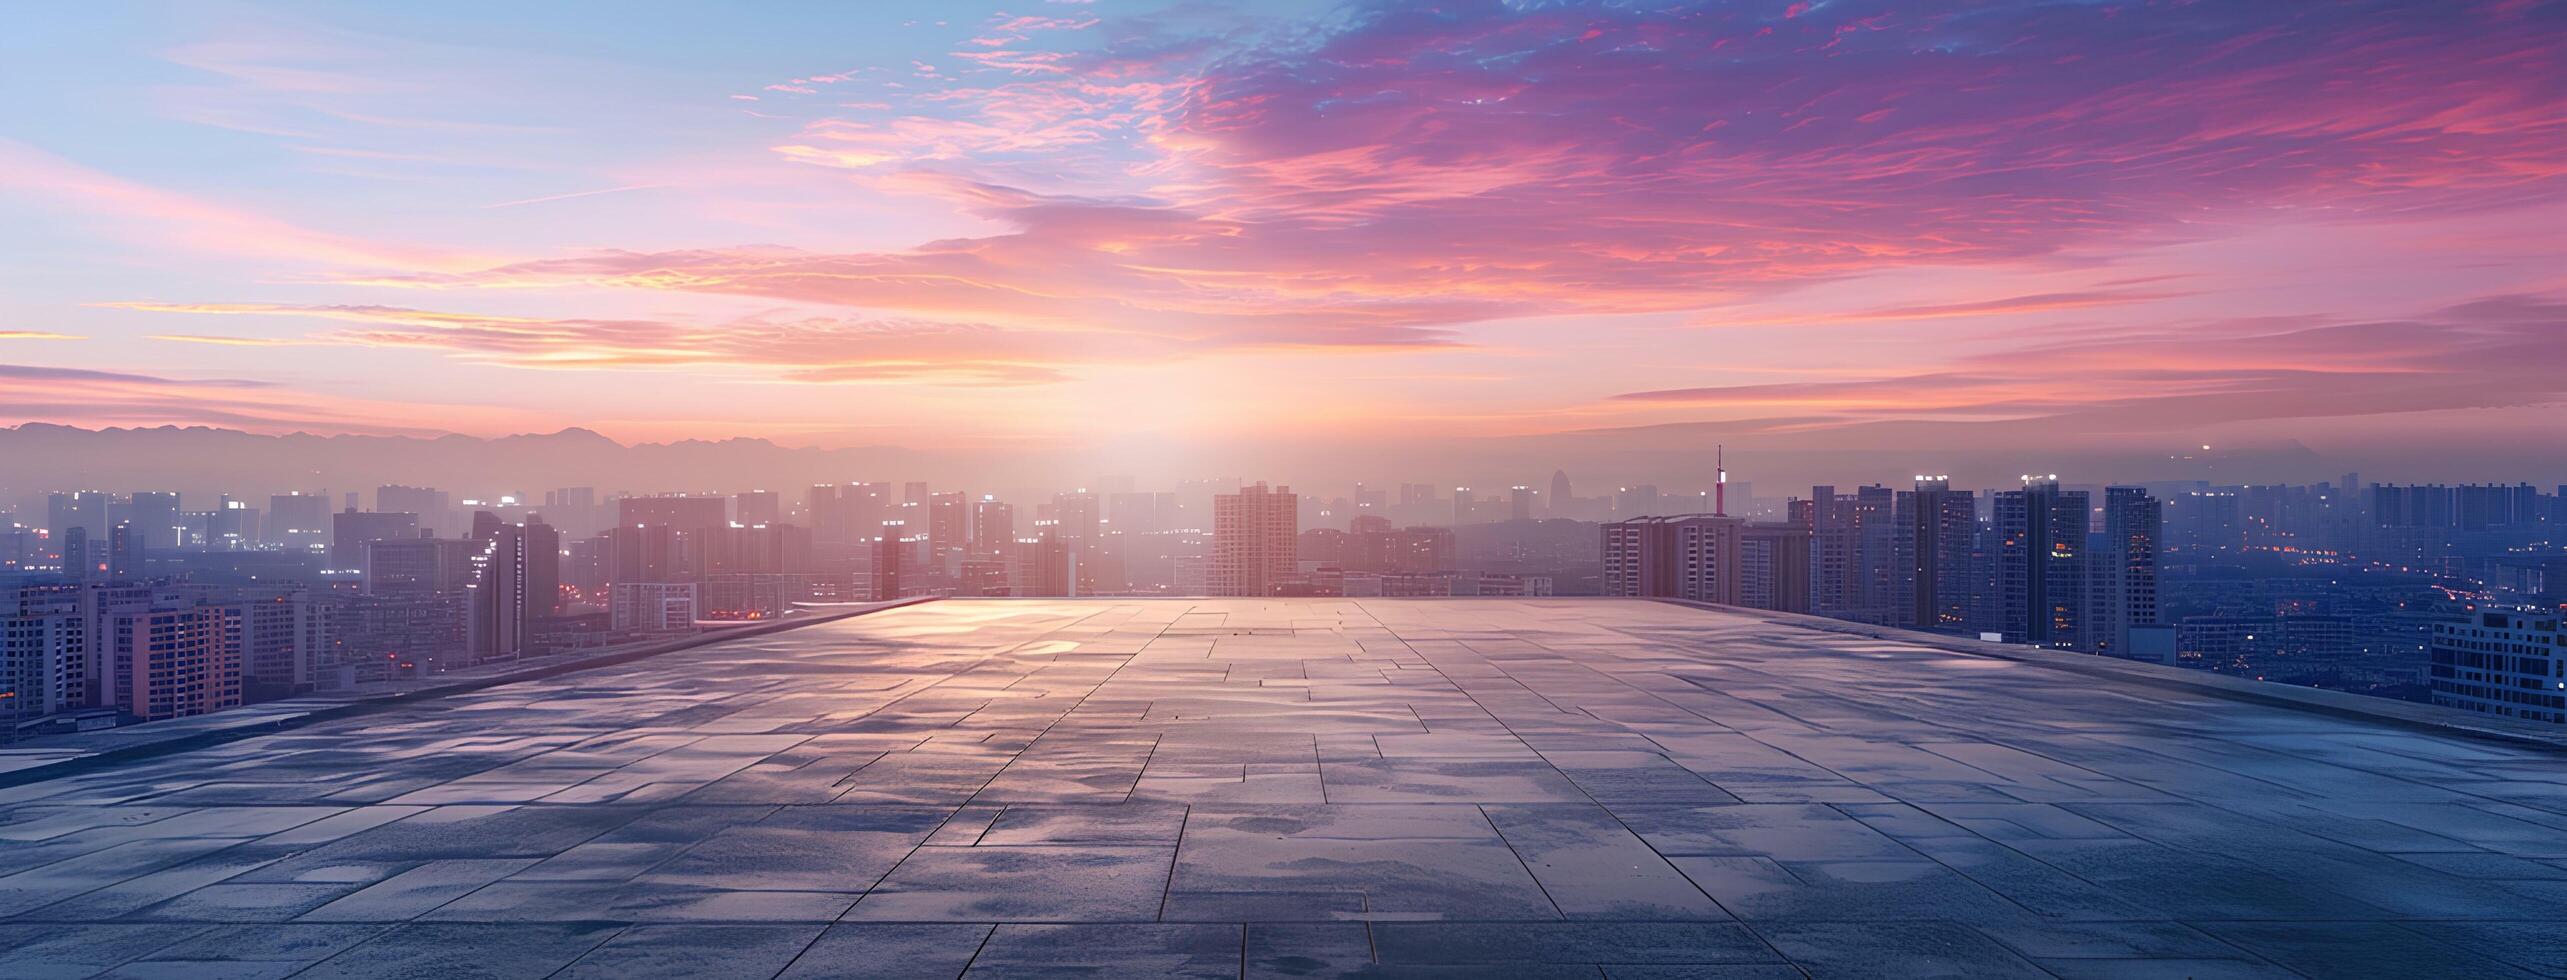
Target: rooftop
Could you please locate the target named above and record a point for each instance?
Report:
(1310, 787)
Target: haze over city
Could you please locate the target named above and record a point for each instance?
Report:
(1601, 489)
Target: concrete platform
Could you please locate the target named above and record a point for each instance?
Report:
(1226, 788)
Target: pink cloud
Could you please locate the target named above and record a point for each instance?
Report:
(1412, 170)
(154, 215)
(2494, 352)
(72, 396)
(815, 350)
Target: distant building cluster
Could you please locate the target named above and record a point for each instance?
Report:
(2046, 568)
(134, 607)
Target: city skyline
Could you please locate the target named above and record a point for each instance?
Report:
(1179, 238)
(1257, 488)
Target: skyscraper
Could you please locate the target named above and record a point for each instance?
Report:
(948, 531)
(435, 509)
(1255, 534)
(1077, 516)
(993, 526)
(1934, 528)
(882, 573)
(352, 530)
(2122, 571)
(2041, 554)
(1773, 566)
(825, 514)
(155, 514)
(84, 509)
(299, 521)
(757, 507)
(517, 580)
(128, 553)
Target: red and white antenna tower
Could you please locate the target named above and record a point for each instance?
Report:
(1720, 488)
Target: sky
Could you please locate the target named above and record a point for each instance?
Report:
(1155, 231)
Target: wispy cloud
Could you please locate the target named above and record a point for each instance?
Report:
(574, 195)
(75, 396)
(1408, 170)
(152, 215)
(808, 350)
(2499, 351)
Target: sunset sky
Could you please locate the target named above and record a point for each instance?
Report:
(976, 228)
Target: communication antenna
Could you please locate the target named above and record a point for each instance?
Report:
(1720, 487)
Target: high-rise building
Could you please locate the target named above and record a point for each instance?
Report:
(2041, 554)
(650, 553)
(1374, 546)
(1852, 537)
(654, 607)
(993, 526)
(516, 581)
(948, 531)
(299, 521)
(757, 507)
(42, 650)
(265, 633)
(416, 566)
(1694, 557)
(233, 525)
(867, 505)
(1934, 529)
(2510, 663)
(1773, 566)
(544, 552)
(21, 548)
(682, 511)
(435, 508)
(128, 553)
(1561, 501)
(766, 549)
(825, 514)
(352, 530)
(84, 509)
(1142, 512)
(358, 638)
(2121, 571)
(1254, 536)
(156, 515)
(171, 663)
(882, 573)
(1076, 516)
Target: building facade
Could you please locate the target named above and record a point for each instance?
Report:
(2510, 664)
(1255, 539)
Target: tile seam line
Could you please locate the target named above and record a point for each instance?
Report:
(1010, 763)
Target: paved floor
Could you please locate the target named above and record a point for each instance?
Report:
(1218, 788)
